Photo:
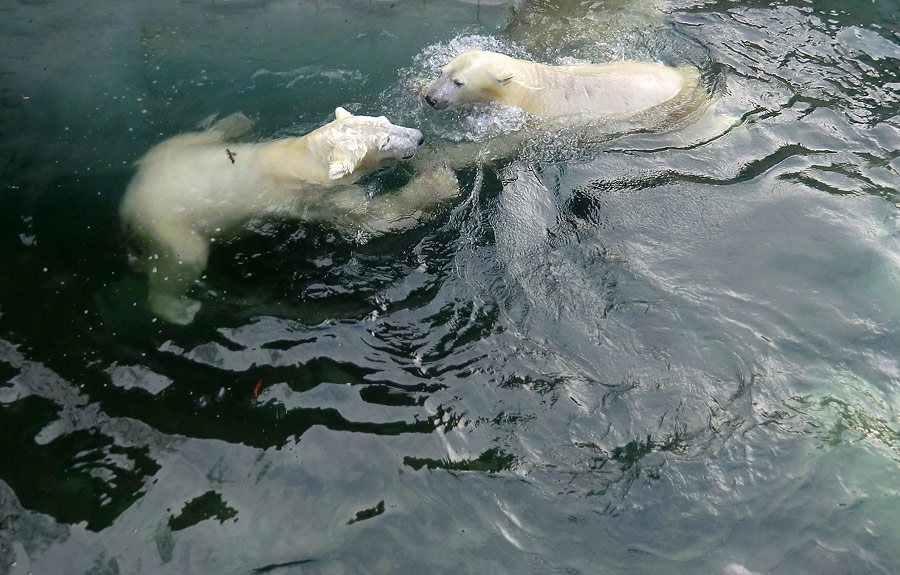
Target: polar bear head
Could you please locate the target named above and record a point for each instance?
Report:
(353, 146)
(473, 76)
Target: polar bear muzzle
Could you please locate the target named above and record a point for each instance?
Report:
(402, 142)
(442, 92)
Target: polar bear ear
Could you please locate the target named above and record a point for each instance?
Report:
(345, 156)
(504, 76)
(340, 113)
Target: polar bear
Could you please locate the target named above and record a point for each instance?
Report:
(195, 188)
(560, 26)
(619, 91)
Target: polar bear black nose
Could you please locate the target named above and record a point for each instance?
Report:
(421, 139)
(437, 102)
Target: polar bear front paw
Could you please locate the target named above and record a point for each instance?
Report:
(433, 186)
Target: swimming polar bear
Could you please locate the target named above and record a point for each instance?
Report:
(564, 26)
(643, 92)
(193, 189)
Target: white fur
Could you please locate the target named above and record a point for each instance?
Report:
(618, 90)
(193, 188)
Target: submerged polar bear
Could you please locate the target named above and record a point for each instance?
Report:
(619, 91)
(192, 188)
(559, 26)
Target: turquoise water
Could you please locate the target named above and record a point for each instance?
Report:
(649, 353)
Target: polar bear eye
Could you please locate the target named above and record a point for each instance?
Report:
(458, 82)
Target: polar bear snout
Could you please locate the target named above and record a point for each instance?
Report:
(437, 96)
(435, 103)
(403, 143)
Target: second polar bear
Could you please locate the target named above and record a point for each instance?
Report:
(617, 91)
(194, 188)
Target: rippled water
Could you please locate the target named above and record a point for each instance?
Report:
(649, 353)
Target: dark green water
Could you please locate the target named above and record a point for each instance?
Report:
(646, 354)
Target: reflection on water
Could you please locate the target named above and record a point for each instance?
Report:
(654, 353)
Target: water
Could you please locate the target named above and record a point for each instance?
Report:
(638, 354)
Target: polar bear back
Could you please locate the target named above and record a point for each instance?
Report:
(602, 90)
(191, 180)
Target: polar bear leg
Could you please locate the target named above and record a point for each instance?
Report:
(233, 126)
(175, 272)
(178, 310)
(713, 123)
(228, 128)
(405, 207)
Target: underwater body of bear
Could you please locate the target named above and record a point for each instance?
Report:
(193, 188)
